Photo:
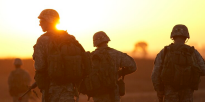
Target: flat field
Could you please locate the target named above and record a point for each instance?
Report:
(138, 84)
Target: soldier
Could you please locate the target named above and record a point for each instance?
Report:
(19, 81)
(111, 65)
(177, 69)
(53, 64)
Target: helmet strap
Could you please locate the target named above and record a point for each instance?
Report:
(186, 40)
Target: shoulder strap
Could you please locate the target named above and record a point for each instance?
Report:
(72, 39)
(164, 53)
(123, 75)
(192, 49)
(64, 37)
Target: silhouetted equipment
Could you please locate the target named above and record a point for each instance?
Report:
(180, 68)
(101, 78)
(34, 85)
(121, 85)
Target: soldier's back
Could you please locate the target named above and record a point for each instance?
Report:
(19, 81)
(19, 77)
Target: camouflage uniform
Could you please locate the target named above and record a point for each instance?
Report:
(56, 93)
(23, 82)
(121, 60)
(52, 91)
(172, 95)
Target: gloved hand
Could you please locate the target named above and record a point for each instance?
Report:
(120, 73)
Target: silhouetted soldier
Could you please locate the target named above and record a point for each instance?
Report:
(104, 81)
(57, 57)
(19, 81)
(177, 69)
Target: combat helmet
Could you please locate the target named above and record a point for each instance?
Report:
(180, 30)
(100, 37)
(17, 61)
(50, 15)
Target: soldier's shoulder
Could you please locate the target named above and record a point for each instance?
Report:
(67, 35)
(15, 71)
(12, 72)
(43, 38)
(24, 70)
(118, 53)
(104, 49)
(112, 50)
(72, 37)
(94, 52)
(163, 50)
(196, 52)
(161, 53)
(63, 31)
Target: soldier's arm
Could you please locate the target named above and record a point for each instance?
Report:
(40, 58)
(156, 80)
(200, 62)
(39, 55)
(127, 64)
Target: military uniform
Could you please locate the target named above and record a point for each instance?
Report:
(19, 81)
(56, 93)
(121, 60)
(170, 93)
(51, 91)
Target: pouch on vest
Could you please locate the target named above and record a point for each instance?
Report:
(65, 61)
(56, 68)
(41, 79)
(180, 68)
(121, 85)
(101, 77)
(73, 67)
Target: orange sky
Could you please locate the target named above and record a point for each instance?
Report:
(125, 21)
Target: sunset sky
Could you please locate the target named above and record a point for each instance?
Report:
(125, 21)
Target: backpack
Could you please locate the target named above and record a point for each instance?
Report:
(101, 78)
(17, 82)
(180, 68)
(65, 62)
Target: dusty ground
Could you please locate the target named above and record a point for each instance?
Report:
(138, 85)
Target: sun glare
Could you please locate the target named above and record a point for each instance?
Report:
(60, 27)
(130, 21)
